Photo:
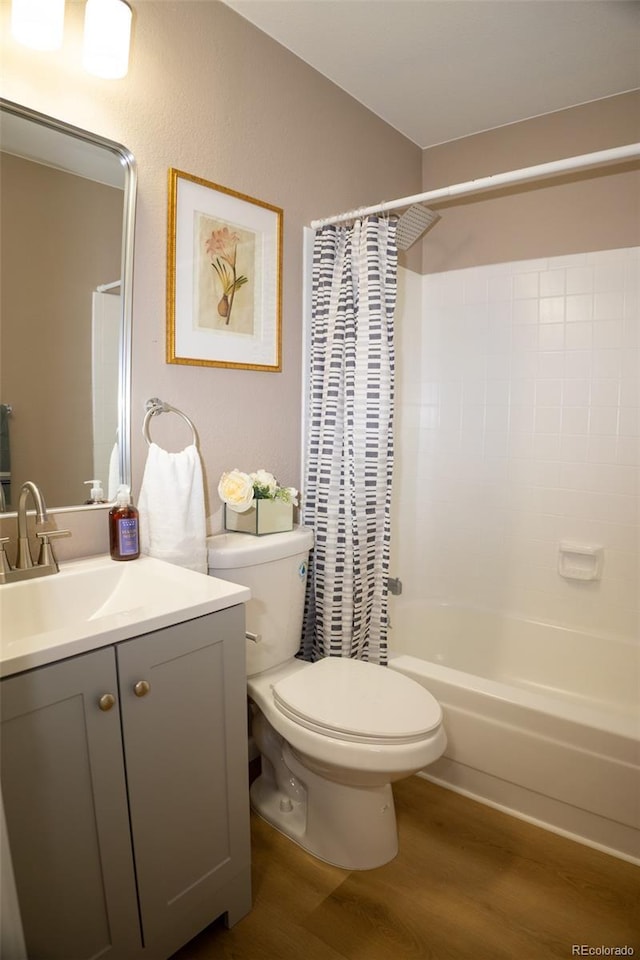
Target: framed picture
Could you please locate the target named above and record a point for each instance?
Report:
(224, 277)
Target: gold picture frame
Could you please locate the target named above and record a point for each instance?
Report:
(224, 277)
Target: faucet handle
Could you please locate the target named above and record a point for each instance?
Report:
(46, 557)
(5, 566)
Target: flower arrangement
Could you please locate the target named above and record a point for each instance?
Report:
(238, 490)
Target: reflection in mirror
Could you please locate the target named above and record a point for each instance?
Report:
(66, 249)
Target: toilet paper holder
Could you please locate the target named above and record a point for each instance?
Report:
(580, 561)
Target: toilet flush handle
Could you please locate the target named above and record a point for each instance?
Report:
(254, 637)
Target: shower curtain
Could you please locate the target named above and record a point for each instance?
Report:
(349, 462)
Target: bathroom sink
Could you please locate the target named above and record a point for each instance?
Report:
(97, 601)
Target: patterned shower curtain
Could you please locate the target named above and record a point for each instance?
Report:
(347, 488)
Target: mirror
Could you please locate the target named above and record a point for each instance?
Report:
(66, 261)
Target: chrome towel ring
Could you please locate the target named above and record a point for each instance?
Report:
(156, 406)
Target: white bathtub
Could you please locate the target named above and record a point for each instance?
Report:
(542, 721)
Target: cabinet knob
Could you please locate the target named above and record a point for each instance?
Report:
(141, 688)
(106, 701)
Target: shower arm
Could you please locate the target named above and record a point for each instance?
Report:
(600, 158)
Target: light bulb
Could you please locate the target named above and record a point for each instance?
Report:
(107, 34)
(38, 24)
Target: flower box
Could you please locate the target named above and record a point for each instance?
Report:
(262, 517)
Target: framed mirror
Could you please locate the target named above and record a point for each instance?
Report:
(66, 261)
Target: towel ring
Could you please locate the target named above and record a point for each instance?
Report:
(156, 406)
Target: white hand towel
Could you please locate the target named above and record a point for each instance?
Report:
(171, 507)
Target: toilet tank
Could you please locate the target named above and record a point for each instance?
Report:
(274, 567)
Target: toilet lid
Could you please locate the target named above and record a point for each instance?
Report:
(358, 701)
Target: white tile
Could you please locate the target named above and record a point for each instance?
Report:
(578, 364)
(574, 447)
(497, 392)
(496, 418)
(524, 336)
(521, 419)
(629, 422)
(546, 446)
(628, 450)
(609, 277)
(602, 449)
(629, 392)
(521, 445)
(575, 420)
(472, 418)
(607, 364)
(523, 391)
(607, 333)
(524, 367)
(525, 311)
(579, 280)
(548, 419)
(548, 393)
(429, 416)
(605, 393)
(550, 365)
(525, 285)
(603, 421)
(576, 393)
(551, 336)
(608, 306)
(578, 336)
(499, 336)
(579, 308)
(552, 283)
(500, 288)
(551, 310)
(476, 288)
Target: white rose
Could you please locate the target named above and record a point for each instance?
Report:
(293, 496)
(265, 480)
(236, 489)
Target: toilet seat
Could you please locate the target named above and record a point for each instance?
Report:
(359, 702)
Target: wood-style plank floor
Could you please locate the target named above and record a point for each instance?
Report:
(469, 883)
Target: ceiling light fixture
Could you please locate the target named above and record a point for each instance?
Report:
(107, 35)
(38, 24)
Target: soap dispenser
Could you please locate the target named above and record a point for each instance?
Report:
(123, 527)
(97, 493)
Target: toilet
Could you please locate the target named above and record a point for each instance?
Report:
(333, 735)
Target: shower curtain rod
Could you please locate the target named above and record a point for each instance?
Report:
(599, 158)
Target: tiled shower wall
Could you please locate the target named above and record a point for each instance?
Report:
(517, 429)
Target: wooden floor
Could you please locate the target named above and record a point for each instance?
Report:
(469, 883)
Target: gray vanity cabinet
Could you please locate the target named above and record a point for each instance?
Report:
(64, 794)
(129, 826)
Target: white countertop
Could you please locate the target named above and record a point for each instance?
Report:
(97, 601)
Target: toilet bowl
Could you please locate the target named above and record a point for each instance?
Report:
(332, 735)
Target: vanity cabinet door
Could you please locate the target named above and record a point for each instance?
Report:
(183, 707)
(64, 795)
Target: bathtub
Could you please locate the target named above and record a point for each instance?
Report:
(542, 721)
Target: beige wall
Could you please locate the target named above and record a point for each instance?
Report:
(209, 94)
(60, 236)
(597, 210)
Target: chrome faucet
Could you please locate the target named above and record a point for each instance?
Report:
(25, 569)
(23, 557)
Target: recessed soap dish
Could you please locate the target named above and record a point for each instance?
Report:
(580, 561)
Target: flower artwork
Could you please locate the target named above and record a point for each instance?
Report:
(226, 275)
(222, 248)
(238, 490)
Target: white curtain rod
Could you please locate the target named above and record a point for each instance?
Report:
(599, 158)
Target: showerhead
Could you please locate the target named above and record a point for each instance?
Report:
(413, 223)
